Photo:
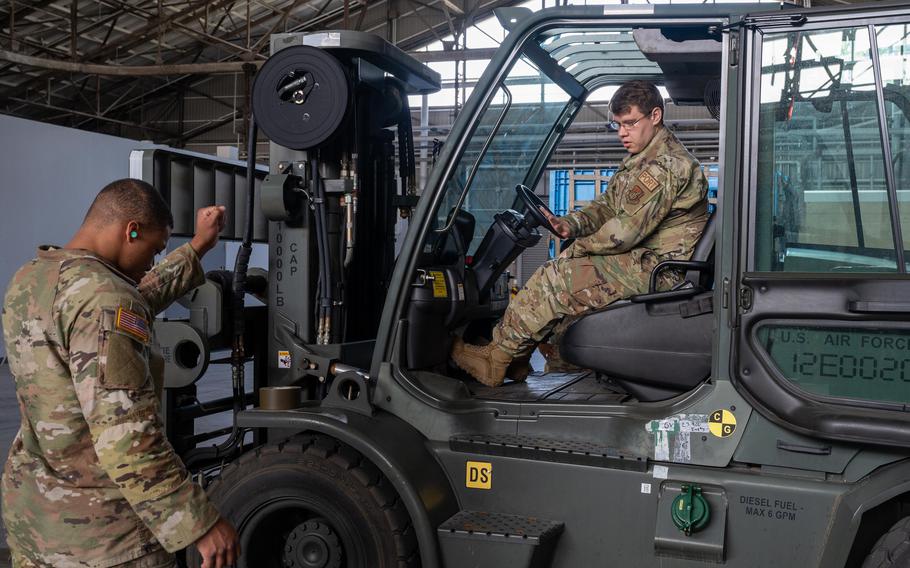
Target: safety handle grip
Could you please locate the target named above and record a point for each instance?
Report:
(876, 307)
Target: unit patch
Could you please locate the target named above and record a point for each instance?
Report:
(648, 181)
(479, 475)
(132, 324)
(284, 359)
(722, 423)
(634, 195)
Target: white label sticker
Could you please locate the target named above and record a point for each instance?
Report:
(646, 488)
(661, 471)
(460, 292)
(626, 10)
(331, 39)
(322, 39)
(284, 359)
(672, 440)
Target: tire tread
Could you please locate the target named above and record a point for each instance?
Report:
(361, 469)
(892, 550)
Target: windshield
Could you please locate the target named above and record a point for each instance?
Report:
(529, 112)
(520, 118)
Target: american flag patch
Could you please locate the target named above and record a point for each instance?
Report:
(132, 324)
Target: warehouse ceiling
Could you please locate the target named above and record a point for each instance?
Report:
(48, 48)
(171, 34)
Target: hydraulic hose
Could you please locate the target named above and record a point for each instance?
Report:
(238, 288)
(322, 245)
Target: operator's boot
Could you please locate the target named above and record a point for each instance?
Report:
(486, 363)
(554, 361)
(520, 368)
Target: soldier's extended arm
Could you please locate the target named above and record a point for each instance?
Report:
(177, 274)
(109, 367)
(586, 221)
(641, 209)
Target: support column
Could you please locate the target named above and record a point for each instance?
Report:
(425, 134)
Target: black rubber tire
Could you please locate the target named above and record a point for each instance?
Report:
(893, 548)
(308, 481)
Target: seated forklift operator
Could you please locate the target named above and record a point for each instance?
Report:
(654, 209)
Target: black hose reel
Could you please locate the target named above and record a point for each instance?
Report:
(300, 97)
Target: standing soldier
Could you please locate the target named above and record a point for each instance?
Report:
(654, 209)
(91, 479)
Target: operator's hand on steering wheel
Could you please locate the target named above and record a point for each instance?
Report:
(560, 226)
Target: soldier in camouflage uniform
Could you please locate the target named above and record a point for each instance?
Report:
(654, 209)
(91, 480)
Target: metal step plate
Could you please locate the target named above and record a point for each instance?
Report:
(480, 524)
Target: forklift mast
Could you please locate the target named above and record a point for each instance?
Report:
(330, 270)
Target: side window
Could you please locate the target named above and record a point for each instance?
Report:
(822, 200)
(894, 52)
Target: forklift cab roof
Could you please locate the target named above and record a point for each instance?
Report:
(677, 51)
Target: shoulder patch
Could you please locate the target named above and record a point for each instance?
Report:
(634, 195)
(648, 181)
(133, 324)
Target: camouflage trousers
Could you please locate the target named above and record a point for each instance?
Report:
(159, 559)
(568, 287)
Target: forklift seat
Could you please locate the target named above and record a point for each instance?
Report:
(655, 345)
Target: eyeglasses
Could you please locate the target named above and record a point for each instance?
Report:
(628, 124)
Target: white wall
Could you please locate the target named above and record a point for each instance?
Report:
(49, 176)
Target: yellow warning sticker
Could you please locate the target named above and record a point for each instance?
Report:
(439, 284)
(479, 475)
(722, 423)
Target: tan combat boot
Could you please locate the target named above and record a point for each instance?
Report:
(520, 369)
(486, 363)
(554, 362)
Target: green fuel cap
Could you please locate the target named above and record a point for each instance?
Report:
(690, 510)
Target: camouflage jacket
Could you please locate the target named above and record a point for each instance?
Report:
(91, 479)
(656, 202)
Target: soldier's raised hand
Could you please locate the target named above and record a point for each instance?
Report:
(209, 222)
(558, 224)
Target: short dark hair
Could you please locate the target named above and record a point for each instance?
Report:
(130, 199)
(642, 94)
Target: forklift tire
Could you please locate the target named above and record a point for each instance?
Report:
(313, 502)
(893, 549)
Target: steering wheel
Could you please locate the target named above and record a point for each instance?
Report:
(533, 204)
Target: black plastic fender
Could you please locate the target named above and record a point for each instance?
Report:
(397, 449)
(885, 483)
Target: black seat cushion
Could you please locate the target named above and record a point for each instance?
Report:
(650, 349)
(653, 349)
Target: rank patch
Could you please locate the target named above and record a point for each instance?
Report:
(133, 324)
(648, 181)
(634, 195)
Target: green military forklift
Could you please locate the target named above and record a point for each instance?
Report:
(754, 416)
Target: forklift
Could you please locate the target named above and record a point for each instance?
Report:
(753, 416)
